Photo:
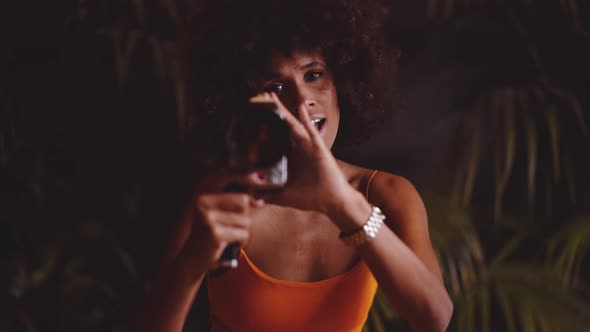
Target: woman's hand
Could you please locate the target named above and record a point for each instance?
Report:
(213, 220)
(315, 179)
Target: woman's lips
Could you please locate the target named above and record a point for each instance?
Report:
(319, 123)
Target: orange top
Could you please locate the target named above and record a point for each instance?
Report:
(247, 299)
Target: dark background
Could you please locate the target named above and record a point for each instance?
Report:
(491, 128)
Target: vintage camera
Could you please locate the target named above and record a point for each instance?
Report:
(256, 139)
(259, 139)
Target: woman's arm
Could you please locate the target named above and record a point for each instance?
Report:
(401, 255)
(196, 244)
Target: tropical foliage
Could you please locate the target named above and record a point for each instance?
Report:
(512, 237)
(89, 163)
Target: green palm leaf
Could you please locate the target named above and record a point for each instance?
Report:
(536, 108)
(522, 291)
(568, 249)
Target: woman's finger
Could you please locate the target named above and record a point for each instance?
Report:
(230, 219)
(228, 234)
(231, 202)
(270, 196)
(297, 129)
(311, 129)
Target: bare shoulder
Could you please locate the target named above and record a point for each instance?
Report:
(357, 176)
(406, 214)
(393, 190)
(404, 209)
(394, 194)
(401, 202)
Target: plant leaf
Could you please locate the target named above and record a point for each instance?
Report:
(377, 322)
(551, 117)
(474, 156)
(506, 250)
(484, 303)
(531, 145)
(507, 309)
(569, 177)
(578, 110)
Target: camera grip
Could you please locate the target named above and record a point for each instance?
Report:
(229, 257)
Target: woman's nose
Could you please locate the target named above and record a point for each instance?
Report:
(305, 105)
(303, 99)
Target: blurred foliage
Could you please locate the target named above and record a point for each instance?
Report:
(509, 207)
(520, 158)
(92, 171)
(85, 198)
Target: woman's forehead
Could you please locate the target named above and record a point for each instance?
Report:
(296, 58)
(277, 62)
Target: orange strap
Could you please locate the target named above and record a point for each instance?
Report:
(369, 184)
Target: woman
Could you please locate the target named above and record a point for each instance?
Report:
(308, 263)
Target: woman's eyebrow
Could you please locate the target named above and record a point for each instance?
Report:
(276, 75)
(312, 64)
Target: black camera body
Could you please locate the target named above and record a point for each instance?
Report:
(258, 138)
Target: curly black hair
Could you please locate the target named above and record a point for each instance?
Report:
(231, 39)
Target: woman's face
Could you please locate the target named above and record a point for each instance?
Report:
(303, 80)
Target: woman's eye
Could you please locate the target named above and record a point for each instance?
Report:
(275, 87)
(312, 76)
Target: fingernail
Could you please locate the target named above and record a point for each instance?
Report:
(261, 175)
(256, 201)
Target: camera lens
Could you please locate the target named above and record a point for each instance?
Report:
(257, 138)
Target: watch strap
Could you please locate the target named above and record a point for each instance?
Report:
(368, 231)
